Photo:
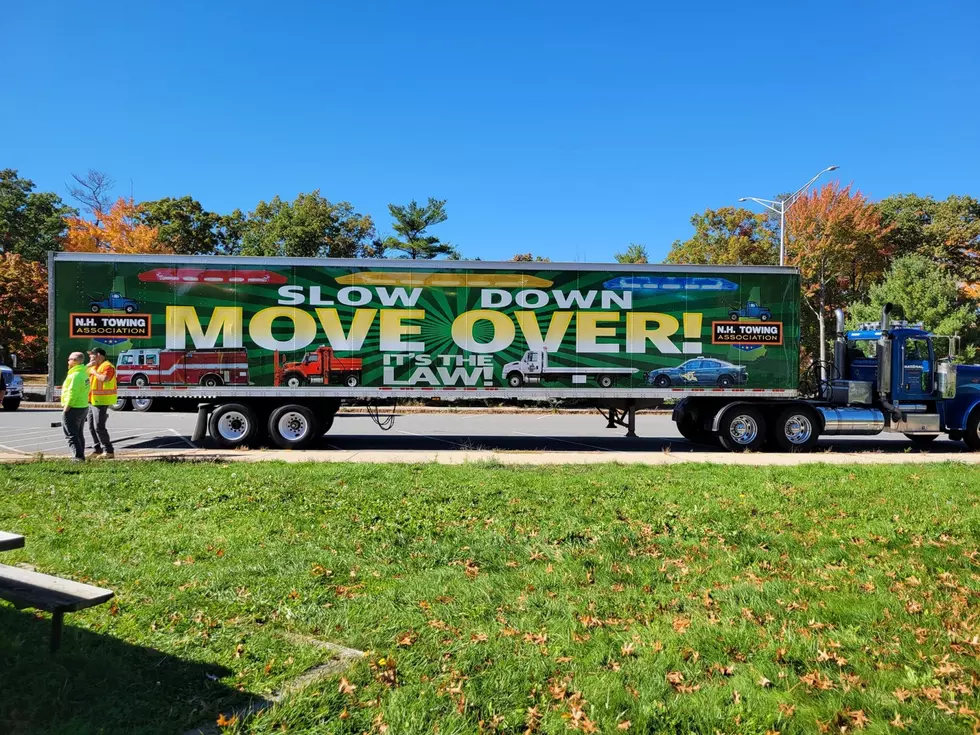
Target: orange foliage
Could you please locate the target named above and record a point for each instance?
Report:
(116, 231)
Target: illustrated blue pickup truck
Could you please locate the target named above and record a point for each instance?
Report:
(115, 302)
(751, 310)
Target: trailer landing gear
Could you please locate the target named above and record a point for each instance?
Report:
(616, 418)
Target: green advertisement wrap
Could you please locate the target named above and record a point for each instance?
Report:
(358, 325)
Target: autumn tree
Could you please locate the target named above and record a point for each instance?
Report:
(635, 253)
(728, 236)
(310, 227)
(411, 222)
(922, 293)
(31, 223)
(946, 231)
(187, 228)
(117, 230)
(529, 258)
(837, 240)
(23, 308)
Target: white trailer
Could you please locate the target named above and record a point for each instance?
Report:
(533, 368)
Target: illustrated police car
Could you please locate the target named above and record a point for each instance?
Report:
(699, 371)
(15, 389)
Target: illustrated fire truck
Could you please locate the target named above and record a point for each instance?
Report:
(209, 368)
(320, 367)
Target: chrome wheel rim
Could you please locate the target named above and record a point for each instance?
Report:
(233, 426)
(743, 429)
(351, 381)
(798, 429)
(293, 383)
(293, 426)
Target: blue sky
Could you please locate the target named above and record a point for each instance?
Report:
(566, 129)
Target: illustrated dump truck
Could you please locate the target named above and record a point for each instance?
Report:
(210, 368)
(320, 367)
(211, 330)
(115, 301)
(533, 369)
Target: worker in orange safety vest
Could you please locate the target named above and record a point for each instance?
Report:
(102, 394)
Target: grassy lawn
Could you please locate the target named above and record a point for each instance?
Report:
(491, 599)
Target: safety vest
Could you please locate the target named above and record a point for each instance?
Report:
(102, 384)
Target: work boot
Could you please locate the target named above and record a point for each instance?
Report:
(110, 455)
(96, 452)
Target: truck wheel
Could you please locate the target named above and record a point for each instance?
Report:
(294, 380)
(691, 429)
(971, 436)
(662, 381)
(764, 317)
(515, 380)
(96, 308)
(742, 429)
(292, 426)
(142, 404)
(605, 381)
(725, 381)
(733, 316)
(324, 422)
(921, 441)
(121, 404)
(130, 308)
(11, 404)
(352, 380)
(211, 381)
(140, 380)
(232, 425)
(796, 430)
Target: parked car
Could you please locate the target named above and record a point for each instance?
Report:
(15, 389)
(699, 371)
(751, 310)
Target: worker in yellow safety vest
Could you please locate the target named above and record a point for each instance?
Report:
(102, 394)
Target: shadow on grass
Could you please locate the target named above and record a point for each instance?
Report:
(99, 684)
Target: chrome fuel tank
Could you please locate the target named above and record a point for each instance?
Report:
(851, 420)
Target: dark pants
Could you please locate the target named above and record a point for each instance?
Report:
(73, 422)
(96, 425)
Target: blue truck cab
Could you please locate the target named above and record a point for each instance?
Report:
(114, 302)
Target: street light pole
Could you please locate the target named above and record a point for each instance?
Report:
(780, 207)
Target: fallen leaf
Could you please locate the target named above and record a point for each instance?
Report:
(628, 649)
(624, 725)
(764, 682)
(897, 722)
(406, 640)
(787, 710)
(858, 718)
(345, 686)
(902, 694)
(681, 624)
(223, 721)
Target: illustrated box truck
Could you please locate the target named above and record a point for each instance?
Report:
(271, 347)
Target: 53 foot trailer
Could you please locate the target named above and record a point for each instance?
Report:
(453, 330)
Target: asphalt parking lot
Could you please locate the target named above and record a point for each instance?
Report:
(29, 432)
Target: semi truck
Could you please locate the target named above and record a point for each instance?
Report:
(623, 338)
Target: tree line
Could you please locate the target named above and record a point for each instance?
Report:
(917, 252)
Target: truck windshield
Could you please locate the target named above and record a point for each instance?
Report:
(862, 349)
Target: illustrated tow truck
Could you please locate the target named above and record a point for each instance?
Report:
(115, 301)
(533, 368)
(751, 310)
(320, 367)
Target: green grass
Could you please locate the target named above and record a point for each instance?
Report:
(690, 598)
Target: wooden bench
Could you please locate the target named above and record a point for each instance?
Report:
(57, 596)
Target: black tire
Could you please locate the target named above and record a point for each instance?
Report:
(733, 316)
(515, 380)
(921, 441)
(121, 404)
(292, 426)
(972, 435)
(764, 317)
(726, 381)
(211, 381)
(95, 308)
(324, 422)
(605, 381)
(130, 308)
(742, 429)
(140, 380)
(294, 380)
(690, 428)
(796, 429)
(352, 380)
(661, 381)
(11, 404)
(232, 425)
(142, 404)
